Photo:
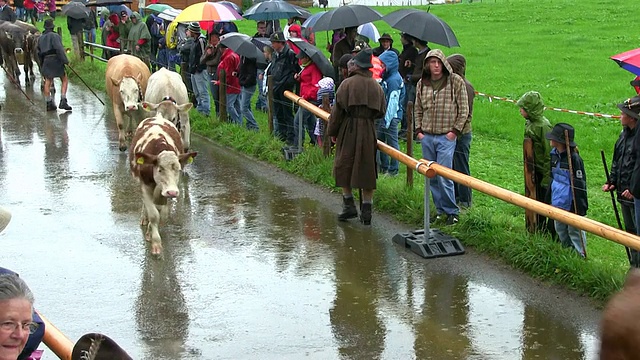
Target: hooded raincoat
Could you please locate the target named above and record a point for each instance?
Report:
(536, 127)
(393, 87)
(139, 35)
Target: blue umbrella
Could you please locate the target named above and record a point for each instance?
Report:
(118, 9)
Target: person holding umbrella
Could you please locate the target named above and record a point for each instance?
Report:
(284, 67)
(359, 101)
(248, 79)
(308, 77)
(75, 27)
(342, 47)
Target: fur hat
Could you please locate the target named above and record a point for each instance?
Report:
(631, 107)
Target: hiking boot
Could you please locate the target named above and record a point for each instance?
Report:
(434, 218)
(63, 105)
(51, 106)
(452, 219)
(365, 214)
(349, 210)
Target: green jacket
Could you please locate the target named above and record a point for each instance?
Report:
(139, 31)
(536, 128)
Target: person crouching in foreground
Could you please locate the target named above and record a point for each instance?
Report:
(359, 101)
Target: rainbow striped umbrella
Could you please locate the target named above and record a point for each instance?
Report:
(207, 12)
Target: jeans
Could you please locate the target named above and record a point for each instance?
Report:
(390, 137)
(261, 103)
(440, 149)
(20, 13)
(245, 107)
(308, 122)
(200, 84)
(171, 56)
(90, 35)
(215, 93)
(410, 96)
(461, 164)
(630, 224)
(571, 237)
(283, 109)
(233, 101)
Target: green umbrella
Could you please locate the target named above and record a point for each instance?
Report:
(158, 7)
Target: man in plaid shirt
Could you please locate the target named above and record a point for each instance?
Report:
(441, 111)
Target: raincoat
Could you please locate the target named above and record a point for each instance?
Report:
(139, 35)
(393, 87)
(536, 127)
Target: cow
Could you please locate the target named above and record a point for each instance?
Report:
(126, 82)
(12, 42)
(168, 85)
(156, 160)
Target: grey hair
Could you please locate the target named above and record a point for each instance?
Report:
(13, 287)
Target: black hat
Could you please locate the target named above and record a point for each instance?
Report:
(385, 36)
(48, 24)
(101, 346)
(344, 60)
(557, 134)
(631, 107)
(363, 59)
(194, 27)
(277, 37)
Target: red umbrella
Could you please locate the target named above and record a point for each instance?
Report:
(629, 61)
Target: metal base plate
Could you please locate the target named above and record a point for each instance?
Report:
(290, 152)
(438, 244)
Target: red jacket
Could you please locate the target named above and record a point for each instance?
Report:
(112, 38)
(309, 77)
(29, 4)
(230, 62)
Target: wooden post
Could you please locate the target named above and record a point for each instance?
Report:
(326, 139)
(270, 103)
(81, 45)
(409, 112)
(531, 218)
(222, 91)
(91, 51)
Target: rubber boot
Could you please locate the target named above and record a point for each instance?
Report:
(63, 104)
(349, 210)
(51, 106)
(365, 214)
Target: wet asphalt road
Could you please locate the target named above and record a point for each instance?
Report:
(255, 265)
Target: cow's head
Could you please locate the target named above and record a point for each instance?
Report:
(169, 110)
(167, 167)
(130, 92)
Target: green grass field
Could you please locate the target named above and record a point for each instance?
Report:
(560, 48)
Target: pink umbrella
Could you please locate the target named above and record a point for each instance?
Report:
(629, 61)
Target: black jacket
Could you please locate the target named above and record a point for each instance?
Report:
(379, 50)
(248, 72)
(195, 55)
(7, 14)
(409, 52)
(635, 177)
(283, 67)
(75, 26)
(624, 161)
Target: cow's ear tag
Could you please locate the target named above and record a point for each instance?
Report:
(190, 160)
(140, 161)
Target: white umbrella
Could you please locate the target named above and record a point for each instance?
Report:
(370, 31)
(169, 14)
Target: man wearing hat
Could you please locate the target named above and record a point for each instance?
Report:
(359, 102)
(53, 59)
(284, 66)
(344, 46)
(386, 43)
(198, 69)
(563, 188)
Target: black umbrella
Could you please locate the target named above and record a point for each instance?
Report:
(271, 10)
(261, 42)
(304, 13)
(316, 56)
(76, 10)
(422, 25)
(241, 44)
(346, 16)
(107, 2)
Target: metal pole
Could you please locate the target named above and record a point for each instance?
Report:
(427, 208)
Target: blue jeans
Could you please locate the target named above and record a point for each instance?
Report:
(200, 84)
(390, 137)
(233, 105)
(245, 106)
(308, 122)
(261, 103)
(461, 165)
(571, 237)
(90, 35)
(440, 149)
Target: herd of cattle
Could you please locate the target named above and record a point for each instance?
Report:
(159, 147)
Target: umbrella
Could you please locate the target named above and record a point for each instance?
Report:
(422, 25)
(232, 5)
(241, 44)
(629, 60)
(304, 13)
(311, 20)
(316, 56)
(107, 2)
(261, 42)
(169, 14)
(225, 27)
(271, 10)
(207, 11)
(346, 16)
(370, 31)
(158, 7)
(117, 9)
(76, 10)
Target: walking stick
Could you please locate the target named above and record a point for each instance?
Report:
(13, 81)
(613, 200)
(85, 84)
(573, 189)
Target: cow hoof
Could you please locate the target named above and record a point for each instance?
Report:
(156, 249)
(144, 222)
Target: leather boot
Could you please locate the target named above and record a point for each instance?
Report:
(349, 210)
(51, 106)
(63, 104)
(365, 214)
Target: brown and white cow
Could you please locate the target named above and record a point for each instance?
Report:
(156, 160)
(126, 82)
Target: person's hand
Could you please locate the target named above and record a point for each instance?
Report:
(451, 136)
(209, 50)
(296, 76)
(627, 194)
(420, 136)
(608, 187)
(333, 139)
(261, 76)
(215, 82)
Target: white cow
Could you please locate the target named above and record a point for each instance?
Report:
(168, 85)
